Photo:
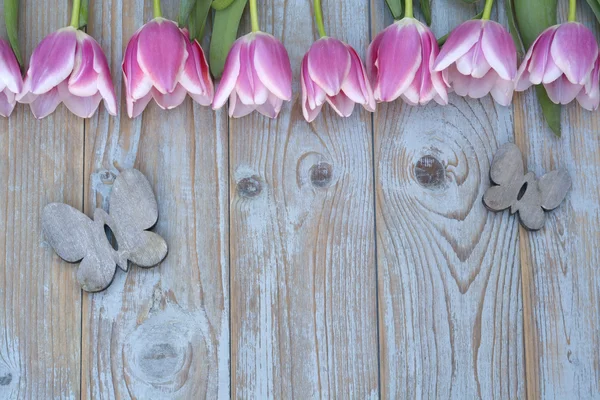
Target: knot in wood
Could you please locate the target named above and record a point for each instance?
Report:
(430, 172)
(5, 379)
(321, 174)
(249, 187)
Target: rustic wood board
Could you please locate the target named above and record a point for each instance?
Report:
(40, 303)
(160, 333)
(303, 279)
(449, 282)
(561, 278)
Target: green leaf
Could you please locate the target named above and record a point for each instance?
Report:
(225, 28)
(532, 18)
(443, 39)
(221, 4)
(198, 18)
(395, 7)
(595, 5)
(83, 14)
(512, 26)
(11, 18)
(426, 10)
(185, 9)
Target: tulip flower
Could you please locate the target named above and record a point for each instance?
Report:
(68, 66)
(332, 71)
(564, 58)
(160, 62)
(11, 82)
(400, 63)
(479, 57)
(257, 74)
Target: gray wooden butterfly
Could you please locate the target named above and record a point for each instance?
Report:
(522, 192)
(75, 237)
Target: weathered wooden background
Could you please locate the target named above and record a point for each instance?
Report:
(346, 258)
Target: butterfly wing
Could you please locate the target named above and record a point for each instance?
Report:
(507, 166)
(553, 188)
(134, 209)
(74, 237)
(532, 216)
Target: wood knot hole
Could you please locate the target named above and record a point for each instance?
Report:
(430, 172)
(5, 380)
(249, 187)
(321, 174)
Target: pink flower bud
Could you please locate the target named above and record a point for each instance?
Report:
(564, 58)
(332, 71)
(68, 66)
(161, 63)
(400, 64)
(11, 82)
(478, 58)
(257, 76)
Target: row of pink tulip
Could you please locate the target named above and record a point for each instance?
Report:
(403, 61)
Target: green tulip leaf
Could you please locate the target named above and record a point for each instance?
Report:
(198, 17)
(185, 9)
(395, 7)
(225, 28)
(512, 26)
(11, 18)
(595, 5)
(83, 14)
(221, 4)
(426, 10)
(530, 24)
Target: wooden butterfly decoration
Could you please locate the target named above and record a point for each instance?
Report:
(75, 237)
(522, 192)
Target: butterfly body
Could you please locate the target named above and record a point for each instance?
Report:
(75, 237)
(521, 192)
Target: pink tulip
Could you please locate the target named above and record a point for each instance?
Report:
(11, 82)
(68, 66)
(400, 64)
(257, 76)
(160, 62)
(332, 71)
(478, 58)
(564, 58)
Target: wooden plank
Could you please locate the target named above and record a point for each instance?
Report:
(561, 280)
(449, 283)
(161, 332)
(40, 300)
(302, 246)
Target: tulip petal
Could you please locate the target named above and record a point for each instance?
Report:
(137, 83)
(249, 88)
(83, 79)
(356, 85)
(315, 96)
(230, 75)
(552, 72)
(341, 104)
(168, 101)
(45, 104)
(162, 53)
(329, 63)
(196, 76)
(372, 54)
(136, 107)
(503, 91)
(398, 60)
(237, 109)
(272, 65)
(562, 91)
(82, 106)
(271, 107)
(499, 50)
(6, 106)
(52, 60)
(574, 50)
(10, 77)
(589, 98)
(436, 77)
(473, 63)
(459, 42)
(540, 52)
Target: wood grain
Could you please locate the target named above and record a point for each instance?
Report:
(303, 313)
(164, 332)
(561, 280)
(40, 301)
(449, 284)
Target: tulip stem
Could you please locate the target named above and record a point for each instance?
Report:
(75, 14)
(319, 18)
(408, 9)
(254, 16)
(487, 10)
(157, 12)
(572, 10)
